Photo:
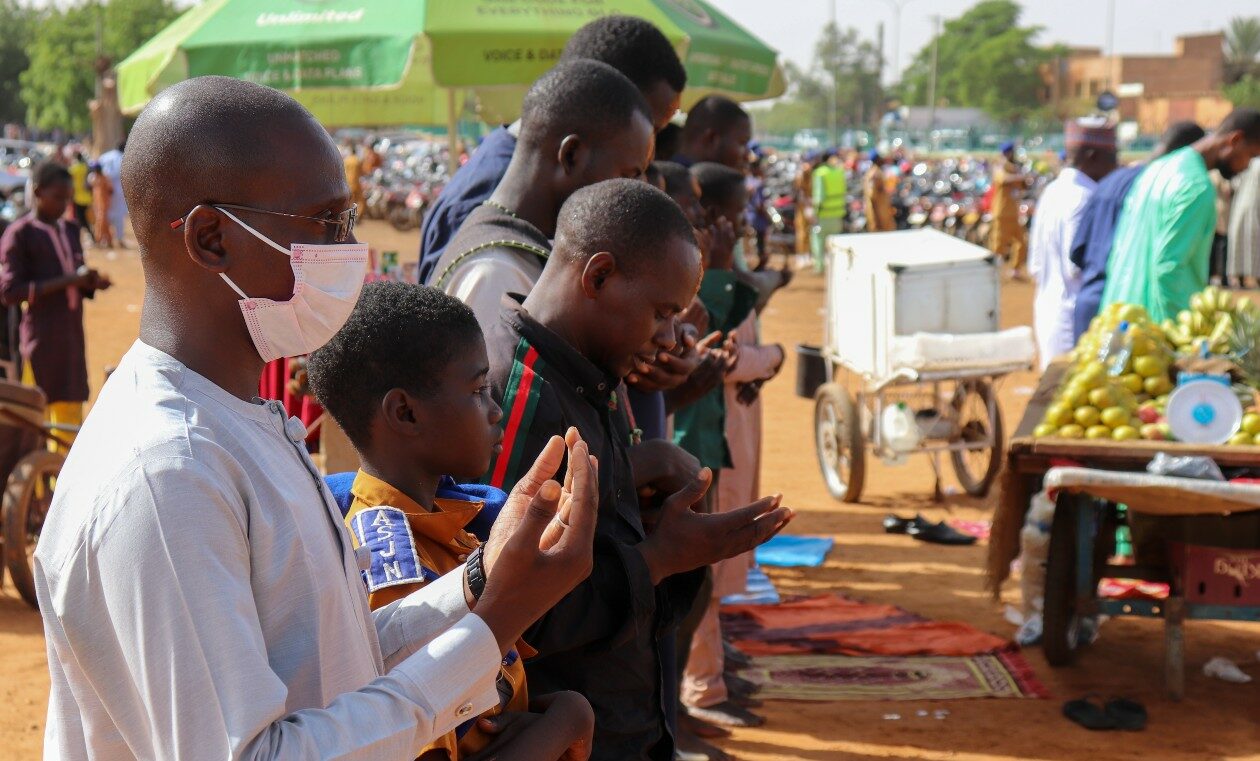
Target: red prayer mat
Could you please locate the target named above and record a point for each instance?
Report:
(832, 624)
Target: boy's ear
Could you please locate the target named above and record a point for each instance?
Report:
(399, 412)
(598, 269)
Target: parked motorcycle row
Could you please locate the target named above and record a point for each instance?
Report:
(413, 171)
(949, 194)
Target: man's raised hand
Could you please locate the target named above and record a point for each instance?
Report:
(540, 546)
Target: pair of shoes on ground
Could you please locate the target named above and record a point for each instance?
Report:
(1119, 713)
(926, 531)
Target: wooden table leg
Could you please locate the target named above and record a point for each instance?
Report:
(1175, 647)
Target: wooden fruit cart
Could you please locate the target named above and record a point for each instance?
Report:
(1082, 535)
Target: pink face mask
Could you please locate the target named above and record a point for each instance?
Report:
(327, 279)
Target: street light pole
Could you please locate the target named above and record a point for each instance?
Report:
(897, 5)
(1111, 41)
(936, 42)
(832, 116)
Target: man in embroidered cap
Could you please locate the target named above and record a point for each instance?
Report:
(1008, 238)
(1091, 155)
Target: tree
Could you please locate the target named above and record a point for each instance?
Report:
(843, 61)
(851, 65)
(985, 60)
(17, 22)
(61, 77)
(1242, 48)
(1245, 93)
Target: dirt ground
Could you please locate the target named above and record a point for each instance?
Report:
(1216, 720)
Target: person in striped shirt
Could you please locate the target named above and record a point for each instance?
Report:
(624, 267)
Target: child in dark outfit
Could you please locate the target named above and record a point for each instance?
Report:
(41, 266)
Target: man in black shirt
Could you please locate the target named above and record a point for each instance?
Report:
(624, 267)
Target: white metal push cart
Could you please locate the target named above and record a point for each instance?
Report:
(911, 317)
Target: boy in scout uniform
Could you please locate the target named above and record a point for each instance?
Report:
(406, 379)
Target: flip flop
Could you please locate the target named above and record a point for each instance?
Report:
(1090, 713)
(1128, 714)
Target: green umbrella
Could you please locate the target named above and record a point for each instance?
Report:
(491, 42)
(359, 63)
(351, 62)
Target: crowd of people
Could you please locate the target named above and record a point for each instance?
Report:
(559, 430)
(1151, 234)
(558, 435)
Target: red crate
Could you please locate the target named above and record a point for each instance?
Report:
(1217, 575)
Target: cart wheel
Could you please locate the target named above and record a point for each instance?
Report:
(1060, 636)
(838, 435)
(977, 469)
(27, 496)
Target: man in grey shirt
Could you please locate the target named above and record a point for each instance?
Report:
(200, 594)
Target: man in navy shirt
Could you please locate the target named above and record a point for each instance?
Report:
(1091, 246)
(630, 45)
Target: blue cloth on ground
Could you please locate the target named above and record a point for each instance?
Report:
(758, 591)
(794, 551)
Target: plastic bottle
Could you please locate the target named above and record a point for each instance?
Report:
(1114, 354)
(899, 430)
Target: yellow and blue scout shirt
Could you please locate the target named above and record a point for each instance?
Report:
(410, 547)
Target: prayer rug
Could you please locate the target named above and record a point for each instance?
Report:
(832, 624)
(1003, 674)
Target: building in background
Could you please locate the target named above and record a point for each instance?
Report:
(1153, 90)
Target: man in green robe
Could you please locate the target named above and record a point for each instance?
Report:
(1164, 237)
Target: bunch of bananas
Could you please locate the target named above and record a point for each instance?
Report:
(1208, 322)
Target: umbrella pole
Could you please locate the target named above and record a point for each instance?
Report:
(452, 141)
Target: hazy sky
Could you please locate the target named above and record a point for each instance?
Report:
(1142, 26)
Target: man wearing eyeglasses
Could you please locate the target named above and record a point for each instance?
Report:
(200, 594)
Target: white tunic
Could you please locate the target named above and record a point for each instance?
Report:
(1058, 280)
(201, 598)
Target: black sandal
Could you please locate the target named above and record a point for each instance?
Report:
(1128, 714)
(1090, 713)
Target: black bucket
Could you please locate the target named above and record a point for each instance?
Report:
(811, 370)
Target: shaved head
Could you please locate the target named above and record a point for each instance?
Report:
(217, 139)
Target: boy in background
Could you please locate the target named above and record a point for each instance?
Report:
(82, 193)
(406, 379)
(705, 693)
(41, 266)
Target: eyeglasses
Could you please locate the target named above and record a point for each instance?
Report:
(344, 220)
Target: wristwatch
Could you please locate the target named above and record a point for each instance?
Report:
(475, 573)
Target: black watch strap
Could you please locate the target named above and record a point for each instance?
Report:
(476, 574)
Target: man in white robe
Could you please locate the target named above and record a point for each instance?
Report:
(1091, 148)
